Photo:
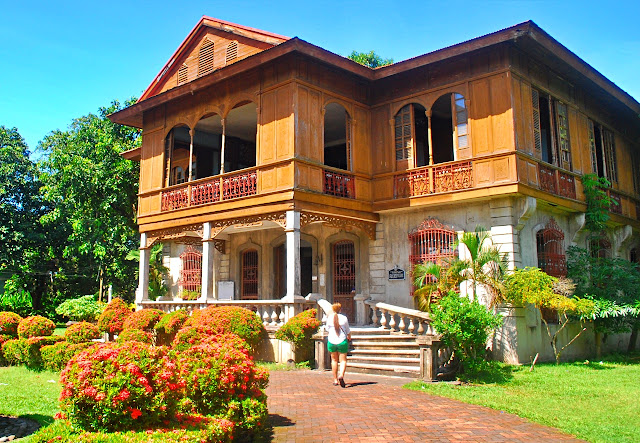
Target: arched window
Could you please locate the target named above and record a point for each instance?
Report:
(176, 154)
(344, 276)
(190, 281)
(550, 248)
(449, 128)
(205, 57)
(249, 275)
(241, 127)
(431, 242)
(337, 137)
(600, 247)
(232, 51)
(411, 136)
(177, 175)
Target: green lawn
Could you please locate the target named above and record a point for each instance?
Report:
(28, 393)
(593, 401)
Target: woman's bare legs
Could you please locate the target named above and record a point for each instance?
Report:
(334, 366)
(343, 365)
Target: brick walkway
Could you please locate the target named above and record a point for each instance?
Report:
(306, 407)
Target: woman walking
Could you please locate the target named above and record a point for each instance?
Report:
(338, 343)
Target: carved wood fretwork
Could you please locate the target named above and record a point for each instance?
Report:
(338, 222)
(218, 226)
(220, 245)
(178, 233)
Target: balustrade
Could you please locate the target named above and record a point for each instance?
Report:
(175, 199)
(433, 179)
(409, 321)
(616, 204)
(339, 185)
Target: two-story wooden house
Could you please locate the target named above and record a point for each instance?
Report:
(273, 168)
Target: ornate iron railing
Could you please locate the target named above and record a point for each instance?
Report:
(434, 179)
(339, 185)
(239, 185)
(547, 178)
(616, 205)
(557, 182)
(175, 199)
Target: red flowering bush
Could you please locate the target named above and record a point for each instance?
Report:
(35, 326)
(222, 379)
(135, 335)
(299, 329)
(81, 332)
(112, 318)
(3, 340)
(26, 351)
(229, 319)
(120, 386)
(144, 319)
(169, 324)
(55, 357)
(195, 335)
(9, 322)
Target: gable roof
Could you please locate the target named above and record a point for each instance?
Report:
(209, 22)
(527, 36)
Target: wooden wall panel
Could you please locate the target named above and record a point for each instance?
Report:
(284, 121)
(382, 151)
(361, 156)
(479, 118)
(309, 124)
(267, 128)
(501, 114)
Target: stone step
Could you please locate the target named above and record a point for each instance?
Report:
(385, 359)
(369, 331)
(380, 369)
(408, 339)
(389, 344)
(386, 352)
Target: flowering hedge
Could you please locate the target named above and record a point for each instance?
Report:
(26, 351)
(9, 322)
(3, 340)
(112, 318)
(81, 309)
(81, 332)
(222, 379)
(35, 326)
(171, 322)
(55, 357)
(144, 319)
(229, 319)
(120, 386)
(299, 329)
(135, 335)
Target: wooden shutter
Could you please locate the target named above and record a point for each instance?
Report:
(608, 143)
(403, 132)
(537, 137)
(348, 139)
(232, 51)
(460, 122)
(168, 153)
(205, 58)
(592, 147)
(183, 74)
(562, 134)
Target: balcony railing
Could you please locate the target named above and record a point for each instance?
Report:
(556, 182)
(616, 204)
(208, 191)
(339, 185)
(433, 179)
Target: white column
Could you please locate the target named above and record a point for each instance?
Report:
(207, 262)
(292, 230)
(191, 134)
(143, 276)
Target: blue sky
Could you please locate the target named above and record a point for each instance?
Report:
(62, 60)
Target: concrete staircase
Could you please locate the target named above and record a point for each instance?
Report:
(377, 351)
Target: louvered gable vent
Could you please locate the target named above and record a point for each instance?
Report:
(232, 51)
(205, 58)
(183, 72)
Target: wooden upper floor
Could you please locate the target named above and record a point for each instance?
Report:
(289, 125)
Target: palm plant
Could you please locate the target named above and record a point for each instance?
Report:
(157, 285)
(485, 267)
(433, 281)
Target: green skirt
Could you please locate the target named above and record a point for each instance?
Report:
(342, 348)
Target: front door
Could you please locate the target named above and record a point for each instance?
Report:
(249, 284)
(344, 277)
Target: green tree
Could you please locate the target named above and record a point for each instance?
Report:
(94, 190)
(535, 287)
(369, 59)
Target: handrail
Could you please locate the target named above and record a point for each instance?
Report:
(399, 310)
(406, 318)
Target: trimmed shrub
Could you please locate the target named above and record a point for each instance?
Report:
(169, 325)
(229, 320)
(120, 386)
(144, 319)
(81, 309)
(3, 340)
(112, 318)
(223, 380)
(135, 335)
(55, 357)
(35, 326)
(9, 322)
(26, 351)
(81, 332)
(299, 329)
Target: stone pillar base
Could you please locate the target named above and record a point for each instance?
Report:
(429, 348)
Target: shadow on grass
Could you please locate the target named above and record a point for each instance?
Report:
(491, 372)
(44, 420)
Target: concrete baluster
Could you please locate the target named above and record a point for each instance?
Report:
(274, 315)
(412, 327)
(401, 325)
(383, 319)
(392, 321)
(374, 316)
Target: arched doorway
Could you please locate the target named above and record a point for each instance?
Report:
(249, 275)
(344, 276)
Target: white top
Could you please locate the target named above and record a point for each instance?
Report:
(337, 337)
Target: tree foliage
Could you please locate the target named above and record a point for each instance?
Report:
(94, 191)
(369, 59)
(157, 271)
(535, 287)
